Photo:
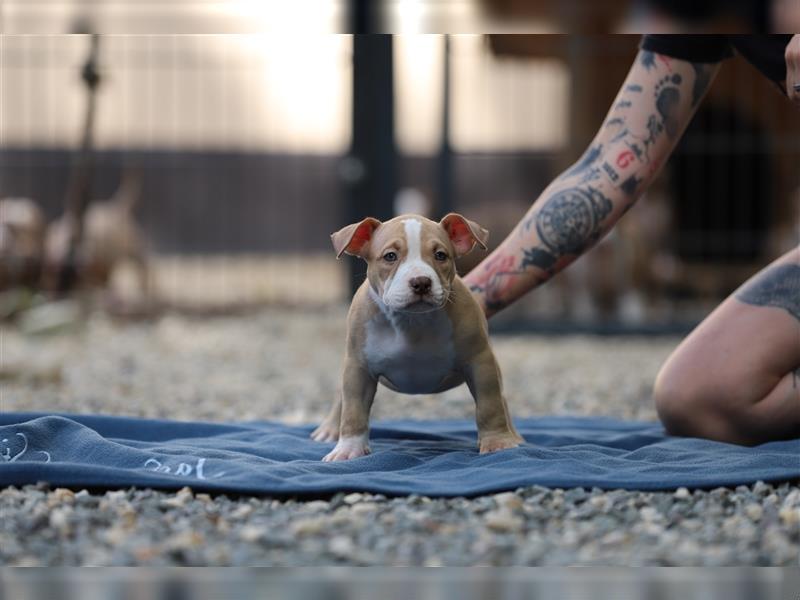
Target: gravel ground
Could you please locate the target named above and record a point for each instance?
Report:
(284, 365)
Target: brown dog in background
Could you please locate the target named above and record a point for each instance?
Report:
(111, 236)
(22, 232)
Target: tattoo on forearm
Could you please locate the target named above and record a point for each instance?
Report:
(495, 280)
(667, 98)
(778, 286)
(588, 158)
(648, 59)
(569, 222)
(630, 184)
(538, 257)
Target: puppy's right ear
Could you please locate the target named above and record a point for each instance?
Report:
(354, 239)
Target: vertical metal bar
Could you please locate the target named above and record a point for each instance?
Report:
(369, 171)
(444, 171)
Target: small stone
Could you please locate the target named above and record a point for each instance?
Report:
(754, 512)
(62, 495)
(309, 526)
(792, 499)
(614, 538)
(508, 500)
(503, 521)
(242, 511)
(116, 535)
(761, 489)
(60, 520)
(341, 546)
(682, 493)
(650, 514)
(363, 508)
(184, 540)
(116, 496)
(790, 516)
(692, 524)
(181, 498)
(317, 505)
(252, 533)
(353, 498)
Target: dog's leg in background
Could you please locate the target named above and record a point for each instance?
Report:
(358, 392)
(328, 430)
(143, 274)
(495, 429)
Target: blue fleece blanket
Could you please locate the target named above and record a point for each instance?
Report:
(434, 458)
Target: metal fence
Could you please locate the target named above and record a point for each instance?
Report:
(236, 170)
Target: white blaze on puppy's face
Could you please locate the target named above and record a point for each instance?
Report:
(398, 291)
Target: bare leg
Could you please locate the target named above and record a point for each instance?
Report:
(736, 378)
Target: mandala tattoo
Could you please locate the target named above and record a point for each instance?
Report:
(570, 219)
(778, 287)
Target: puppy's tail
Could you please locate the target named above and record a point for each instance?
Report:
(129, 191)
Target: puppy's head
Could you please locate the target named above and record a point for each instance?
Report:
(411, 259)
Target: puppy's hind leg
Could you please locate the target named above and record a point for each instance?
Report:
(328, 431)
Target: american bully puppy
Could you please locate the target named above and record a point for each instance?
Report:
(110, 236)
(414, 327)
(22, 227)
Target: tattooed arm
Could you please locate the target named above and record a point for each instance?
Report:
(653, 107)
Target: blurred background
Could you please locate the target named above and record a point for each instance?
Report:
(190, 168)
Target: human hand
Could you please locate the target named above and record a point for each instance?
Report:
(793, 69)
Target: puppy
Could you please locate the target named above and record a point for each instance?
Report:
(414, 327)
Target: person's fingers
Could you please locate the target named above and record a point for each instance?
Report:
(793, 69)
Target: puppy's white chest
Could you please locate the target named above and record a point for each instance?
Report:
(414, 356)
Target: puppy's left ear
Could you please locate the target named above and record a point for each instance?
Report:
(463, 233)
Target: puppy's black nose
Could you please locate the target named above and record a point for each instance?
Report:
(420, 285)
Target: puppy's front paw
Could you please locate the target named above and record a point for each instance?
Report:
(326, 432)
(349, 447)
(494, 443)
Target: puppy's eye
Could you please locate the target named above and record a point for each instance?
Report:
(440, 255)
(390, 257)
